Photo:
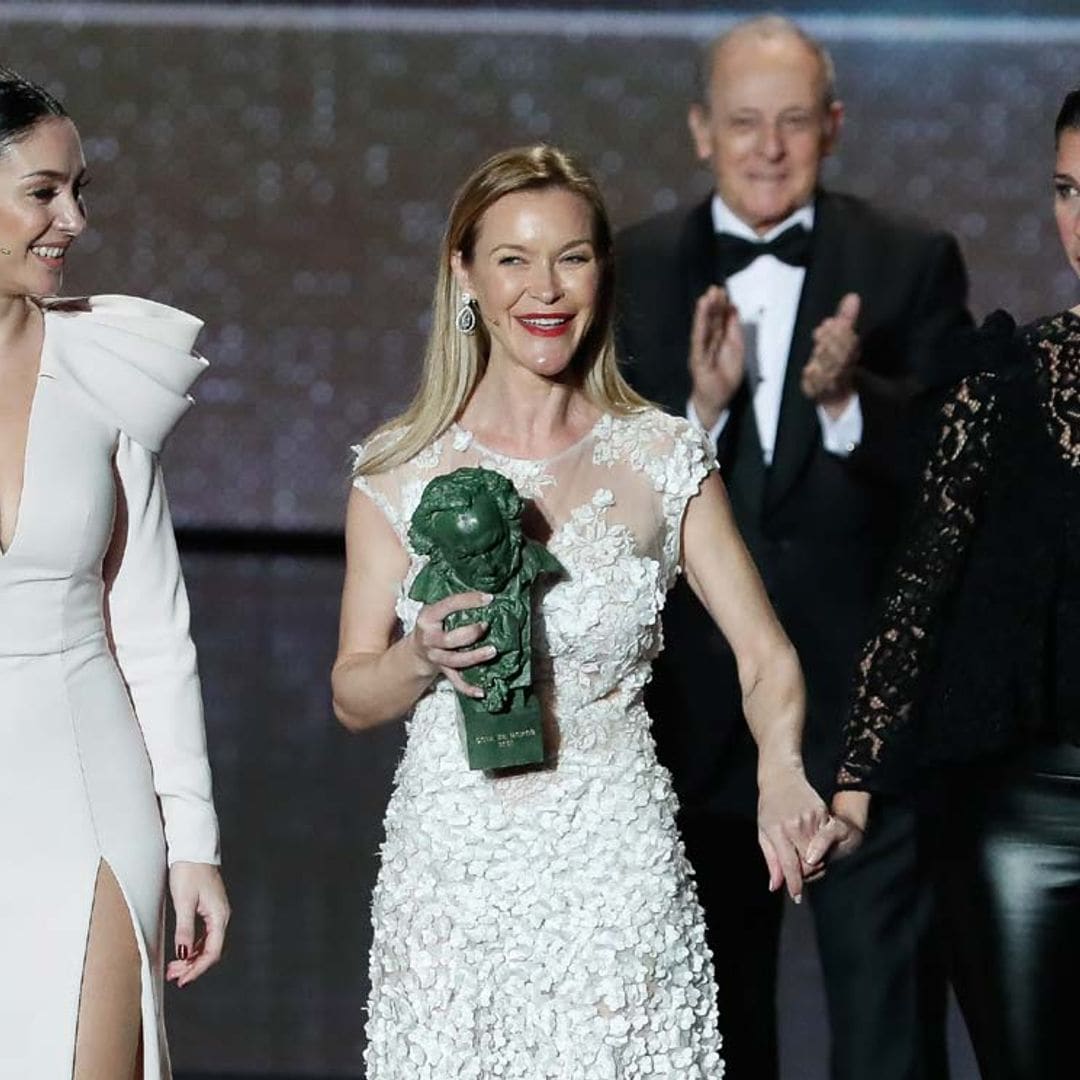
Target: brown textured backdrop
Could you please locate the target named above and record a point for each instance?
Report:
(290, 185)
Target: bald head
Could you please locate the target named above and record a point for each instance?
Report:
(771, 33)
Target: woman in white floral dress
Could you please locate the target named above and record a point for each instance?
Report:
(544, 924)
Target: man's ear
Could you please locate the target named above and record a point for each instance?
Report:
(461, 273)
(697, 120)
(834, 120)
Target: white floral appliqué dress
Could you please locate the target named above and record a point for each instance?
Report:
(545, 924)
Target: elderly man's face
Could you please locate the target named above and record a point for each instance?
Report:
(767, 128)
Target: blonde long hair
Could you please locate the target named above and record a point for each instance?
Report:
(454, 362)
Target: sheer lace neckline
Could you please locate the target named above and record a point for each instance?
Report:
(464, 438)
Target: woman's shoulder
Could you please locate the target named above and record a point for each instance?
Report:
(1061, 327)
(673, 452)
(651, 422)
(1007, 359)
(1055, 339)
(131, 361)
(393, 454)
(980, 359)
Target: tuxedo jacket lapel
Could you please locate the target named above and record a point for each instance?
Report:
(798, 430)
(699, 254)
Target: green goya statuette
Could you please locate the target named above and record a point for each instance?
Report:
(468, 523)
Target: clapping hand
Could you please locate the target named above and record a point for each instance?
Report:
(829, 375)
(717, 354)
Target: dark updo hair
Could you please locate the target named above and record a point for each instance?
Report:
(1068, 117)
(22, 105)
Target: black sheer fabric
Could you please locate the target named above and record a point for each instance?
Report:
(976, 645)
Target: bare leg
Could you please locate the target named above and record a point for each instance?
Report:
(108, 1038)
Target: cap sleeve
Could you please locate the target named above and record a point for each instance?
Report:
(692, 457)
(382, 488)
(675, 456)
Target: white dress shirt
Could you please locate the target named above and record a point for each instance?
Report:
(766, 295)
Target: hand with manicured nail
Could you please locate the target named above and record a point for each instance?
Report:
(790, 815)
(448, 652)
(198, 895)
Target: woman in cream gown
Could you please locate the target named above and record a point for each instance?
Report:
(103, 771)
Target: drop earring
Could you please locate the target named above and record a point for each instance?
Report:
(465, 321)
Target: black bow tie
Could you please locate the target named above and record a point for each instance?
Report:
(734, 253)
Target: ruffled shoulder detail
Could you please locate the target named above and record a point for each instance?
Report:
(129, 360)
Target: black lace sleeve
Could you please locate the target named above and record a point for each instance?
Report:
(894, 661)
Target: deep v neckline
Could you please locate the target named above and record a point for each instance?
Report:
(5, 552)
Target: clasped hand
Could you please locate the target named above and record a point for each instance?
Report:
(796, 831)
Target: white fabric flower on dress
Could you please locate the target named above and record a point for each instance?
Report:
(544, 925)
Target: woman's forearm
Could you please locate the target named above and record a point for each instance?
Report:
(374, 688)
(774, 701)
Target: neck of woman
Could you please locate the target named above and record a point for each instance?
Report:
(526, 415)
(18, 316)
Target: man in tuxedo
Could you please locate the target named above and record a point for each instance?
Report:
(795, 325)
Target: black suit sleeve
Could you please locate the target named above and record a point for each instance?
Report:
(936, 322)
(652, 332)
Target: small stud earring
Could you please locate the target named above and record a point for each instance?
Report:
(5, 251)
(465, 320)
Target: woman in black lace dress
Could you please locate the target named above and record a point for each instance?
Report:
(975, 668)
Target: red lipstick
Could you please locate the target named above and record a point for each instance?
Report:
(546, 324)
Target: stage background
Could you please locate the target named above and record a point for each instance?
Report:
(284, 171)
(287, 178)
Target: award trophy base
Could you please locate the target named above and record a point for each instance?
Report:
(503, 740)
